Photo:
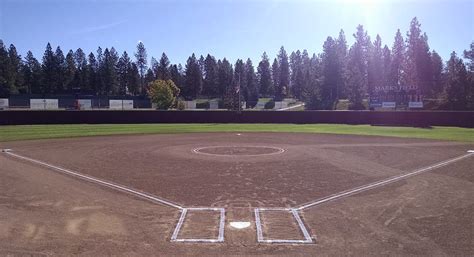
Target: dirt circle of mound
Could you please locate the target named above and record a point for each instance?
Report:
(238, 150)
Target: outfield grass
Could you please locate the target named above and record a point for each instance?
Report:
(14, 133)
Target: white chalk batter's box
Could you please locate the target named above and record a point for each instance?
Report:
(292, 216)
(182, 220)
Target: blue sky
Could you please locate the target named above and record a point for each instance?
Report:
(232, 29)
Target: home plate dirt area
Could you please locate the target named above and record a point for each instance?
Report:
(237, 194)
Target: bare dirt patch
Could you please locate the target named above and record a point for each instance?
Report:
(46, 213)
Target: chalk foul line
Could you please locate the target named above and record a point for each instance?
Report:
(381, 182)
(96, 180)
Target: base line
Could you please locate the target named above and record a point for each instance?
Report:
(97, 181)
(381, 183)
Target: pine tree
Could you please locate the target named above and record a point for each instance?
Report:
(387, 64)
(456, 83)
(225, 76)
(100, 83)
(240, 79)
(162, 71)
(313, 98)
(193, 78)
(238, 85)
(296, 79)
(123, 69)
(201, 64)
(60, 69)
(4, 66)
(149, 77)
(69, 72)
(32, 74)
(109, 71)
(469, 55)
(357, 69)
(330, 74)
(341, 52)
(81, 80)
(154, 66)
(251, 90)
(275, 77)
(264, 76)
(133, 79)
(398, 56)
(176, 75)
(418, 71)
(307, 76)
(437, 71)
(142, 62)
(211, 80)
(92, 70)
(284, 75)
(48, 67)
(375, 66)
(14, 76)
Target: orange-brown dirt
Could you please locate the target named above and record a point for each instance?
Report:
(43, 212)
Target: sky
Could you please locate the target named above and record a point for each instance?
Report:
(232, 29)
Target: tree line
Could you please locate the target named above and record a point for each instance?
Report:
(320, 80)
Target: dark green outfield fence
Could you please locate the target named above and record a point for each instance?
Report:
(394, 118)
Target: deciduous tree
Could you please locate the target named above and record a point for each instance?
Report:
(163, 93)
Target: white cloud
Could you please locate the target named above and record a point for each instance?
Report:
(99, 27)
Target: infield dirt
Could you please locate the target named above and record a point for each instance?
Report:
(44, 212)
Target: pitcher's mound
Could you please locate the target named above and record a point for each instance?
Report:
(238, 150)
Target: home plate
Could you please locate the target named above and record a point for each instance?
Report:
(240, 224)
(470, 151)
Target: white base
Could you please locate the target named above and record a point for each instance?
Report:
(240, 224)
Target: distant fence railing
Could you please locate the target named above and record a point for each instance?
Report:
(394, 118)
(69, 101)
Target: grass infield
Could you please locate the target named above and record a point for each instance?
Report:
(29, 132)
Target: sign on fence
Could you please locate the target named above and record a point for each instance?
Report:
(120, 104)
(128, 104)
(51, 104)
(37, 104)
(280, 105)
(415, 104)
(84, 104)
(261, 103)
(115, 104)
(3, 103)
(213, 104)
(44, 104)
(389, 104)
(190, 104)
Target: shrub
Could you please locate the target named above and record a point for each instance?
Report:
(163, 93)
(181, 105)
